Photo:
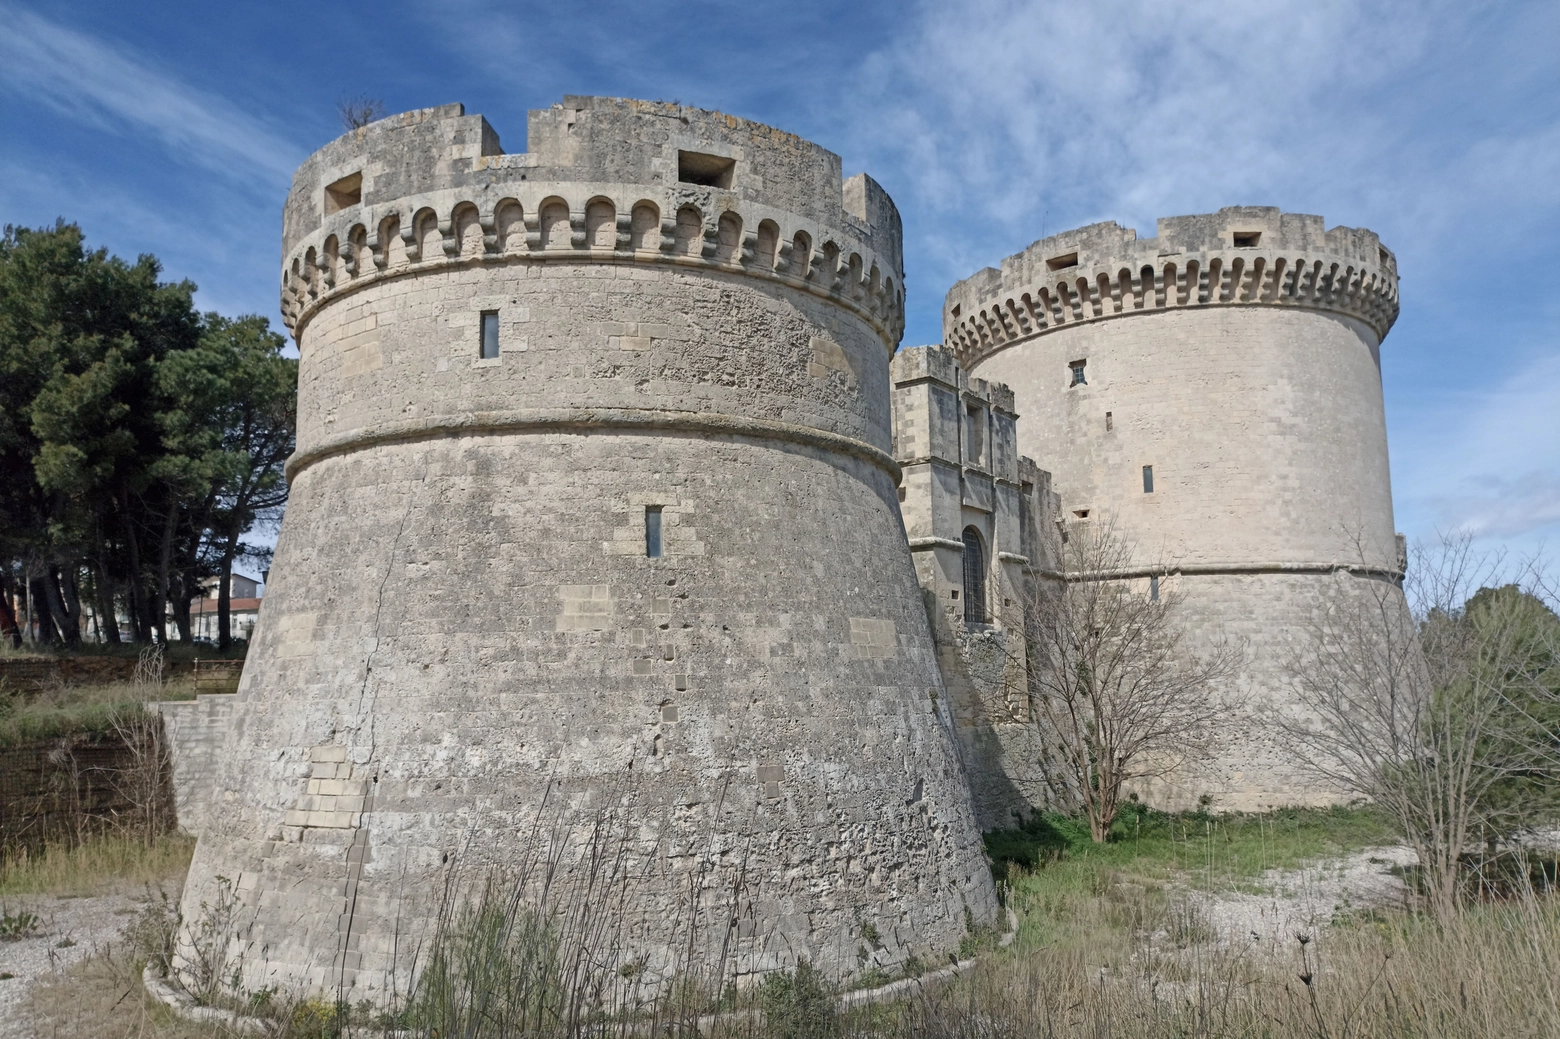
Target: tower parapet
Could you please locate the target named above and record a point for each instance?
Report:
(1239, 256)
(608, 180)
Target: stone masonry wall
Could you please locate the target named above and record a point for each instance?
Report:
(956, 439)
(195, 730)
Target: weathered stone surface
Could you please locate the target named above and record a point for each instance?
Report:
(470, 658)
(195, 731)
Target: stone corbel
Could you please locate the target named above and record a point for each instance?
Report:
(489, 224)
(327, 263)
(376, 249)
(410, 239)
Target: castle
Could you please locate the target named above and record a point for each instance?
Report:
(622, 540)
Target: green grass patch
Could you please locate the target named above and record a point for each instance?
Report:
(1207, 849)
(66, 710)
(1069, 890)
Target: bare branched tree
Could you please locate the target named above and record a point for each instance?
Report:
(1432, 701)
(1114, 683)
(358, 112)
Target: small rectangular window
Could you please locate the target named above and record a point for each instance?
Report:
(1061, 263)
(715, 171)
(653, 531)
(489, 334)
(1110, 423)
(348, 191)
(1077, 373)
(1148, 479)
(1247, 239)
(1153, 589)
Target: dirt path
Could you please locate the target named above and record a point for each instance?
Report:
(68, 930)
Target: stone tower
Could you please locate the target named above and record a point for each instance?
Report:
(1215, 393)
(593, 537)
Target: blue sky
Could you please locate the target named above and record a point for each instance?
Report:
(174, 128)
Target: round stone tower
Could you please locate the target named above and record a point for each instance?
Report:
(592, 569)
(1215, 394)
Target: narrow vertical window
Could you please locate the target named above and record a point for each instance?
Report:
(974, 577)
(489, 334)
(653, 531)
(1153, 589)
(1110, 422)
(1148, 479)
(975, 435)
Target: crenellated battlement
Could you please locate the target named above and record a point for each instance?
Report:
(1241, 255)
(598, 223)
(605, 180)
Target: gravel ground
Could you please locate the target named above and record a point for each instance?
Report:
(68, 930)
(1303, 901)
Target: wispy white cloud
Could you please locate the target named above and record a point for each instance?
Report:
(997, 119)
(108, 87)
(1435, 123)
(1494, 469)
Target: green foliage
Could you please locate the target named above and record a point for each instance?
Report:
(1520, 639)
(88, 710)
(1208, 848)
(798, 1004)
(18, 925)
(139, 440)
(316, 1019)
(494, 969)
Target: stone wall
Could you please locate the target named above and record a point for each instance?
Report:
(195, 730)
(65, 787)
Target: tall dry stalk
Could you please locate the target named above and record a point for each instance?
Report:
(1114, 684)
(144, 778)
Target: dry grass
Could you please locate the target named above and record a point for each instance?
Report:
(1110, 946)
(1490, 973)
(66, 709)
(103, 998)
(97, 866)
